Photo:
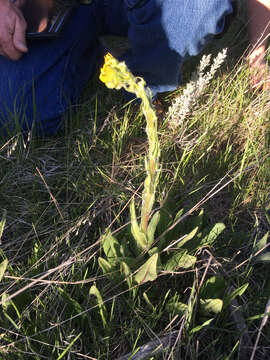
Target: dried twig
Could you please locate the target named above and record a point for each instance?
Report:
(237, 316)
(263, 323)
(152, 348)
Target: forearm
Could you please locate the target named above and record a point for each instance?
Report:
(259, 28)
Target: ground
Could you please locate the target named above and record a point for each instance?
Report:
(59, 196)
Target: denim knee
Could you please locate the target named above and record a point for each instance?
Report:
(38, 89)
(163, 33)
(32, 104)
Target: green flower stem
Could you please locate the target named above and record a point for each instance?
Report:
(152, 163)
(116, 75)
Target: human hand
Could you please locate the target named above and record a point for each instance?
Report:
(260, 76)
(259, 70)
(12, 30)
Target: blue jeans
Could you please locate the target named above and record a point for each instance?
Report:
(38, 89)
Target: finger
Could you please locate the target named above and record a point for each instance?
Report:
(8, 50)
(19, 40)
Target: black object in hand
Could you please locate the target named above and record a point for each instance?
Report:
(46, 18)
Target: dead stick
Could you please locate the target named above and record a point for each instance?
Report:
(263, 323)
(237, 316)
(152, 348)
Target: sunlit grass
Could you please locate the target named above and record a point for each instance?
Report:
(61, 194)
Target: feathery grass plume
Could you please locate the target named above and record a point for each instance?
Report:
(116, 75)
(184, 104)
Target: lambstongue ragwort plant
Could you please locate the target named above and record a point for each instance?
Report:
(142, 247)
(116, 75)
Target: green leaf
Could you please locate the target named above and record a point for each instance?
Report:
(124, 247)
(165, 220)
(102, 308)
(125, 271)
(262, 258)
(94, 291)
(73, 304)
(152, 228)
(179, 214)
(139, 236)
(267, 215)
(148, 271)
(199, 327)
(3, 267)
(153, 250)
(180, 260)
(111, 248)
(238, 292)
(13, 322)
(192, 222)
(4, 301)
(213, 288)
(188, 237)
(69, 347)
(198, 221)
(148, 302)
(213, 234)
(191, 304)
(261, 243)
(211, 306)
(176, 307)
(130, 261)
(105, 265)
(2, 224)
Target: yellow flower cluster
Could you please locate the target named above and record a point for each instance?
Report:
(116, 75)
(108, 73)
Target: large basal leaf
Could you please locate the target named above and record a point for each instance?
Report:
(176, 307)
(237, 292)
(102, 308)
(165, 220)
(94, 291)
(111, 248)
(148, 271)
(211, 306)
(152, 228)
(262, 257)
(105, 265)
(213, 288)
(3, 267)
(188, 237)
(130, 261)
(180, 260)
(126, 273)
(213, 234)
(139, 237)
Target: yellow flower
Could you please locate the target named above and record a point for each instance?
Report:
(108, 73)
